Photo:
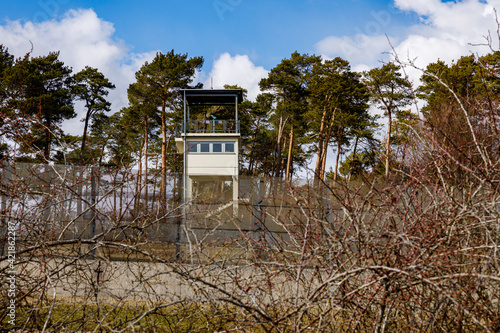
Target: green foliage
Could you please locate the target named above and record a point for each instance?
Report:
(364, 162)
(6, 62)
(405, 129)
(6, 59)
(120, 140)
(391, 92)
(257, 138)
(6, 128)
(307, 106)
(339, 109)
(161, 79)
(289, 82)
(157, 89)
(40, 97)
(389, 89)
(91, 86)
(69, 152)
(461, 111)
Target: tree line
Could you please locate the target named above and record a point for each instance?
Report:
(307, 107)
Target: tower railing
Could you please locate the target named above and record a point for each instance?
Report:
(216, 126)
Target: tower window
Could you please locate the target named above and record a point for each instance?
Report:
(204, 147)
(192, 147)
(229, 147)
(210, 147)
(217, 147)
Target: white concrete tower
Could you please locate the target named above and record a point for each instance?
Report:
(210, 140)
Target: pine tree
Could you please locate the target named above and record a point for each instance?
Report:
(91, 86)
(339, 109)
(6, 125)
(289, 81)
(391, 92)
(40, 96)
(161, 80)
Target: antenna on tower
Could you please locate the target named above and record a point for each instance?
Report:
(212, 83)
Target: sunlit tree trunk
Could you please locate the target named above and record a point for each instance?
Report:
(138, 187)
(277, 171)
(146, 144)
(388, 144)
(289, 159)
(337, 158)
(321, 137)
(163, 186)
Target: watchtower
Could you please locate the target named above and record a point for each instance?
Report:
(210, 140)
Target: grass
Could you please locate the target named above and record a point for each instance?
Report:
(79, 316)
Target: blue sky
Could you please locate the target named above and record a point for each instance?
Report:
(267, 31)
(241, 40)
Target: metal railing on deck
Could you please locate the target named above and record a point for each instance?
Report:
(211, 126)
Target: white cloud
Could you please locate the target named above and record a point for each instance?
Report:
(446, 32)
(360, 49)
(83, 39)
(239, 70)
(80, 35)
(421, 7)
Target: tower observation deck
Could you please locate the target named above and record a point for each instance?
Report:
(210, 140)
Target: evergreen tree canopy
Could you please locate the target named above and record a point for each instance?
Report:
(40, 97)
(289, 81)
(391, 92)
(91, 86)
(339, 109)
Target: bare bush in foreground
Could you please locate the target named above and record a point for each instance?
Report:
(372, 255)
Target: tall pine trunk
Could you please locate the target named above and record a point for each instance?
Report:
(354, 158)
(138, 186)
(163, 186)
(84, 138)
(319, 159)
(46, 152)
(328, 135)
(388, 144)
(290, 151)
(321, 137)
(339, 146)
(48, 138)
(277, 171)
(146, 144)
